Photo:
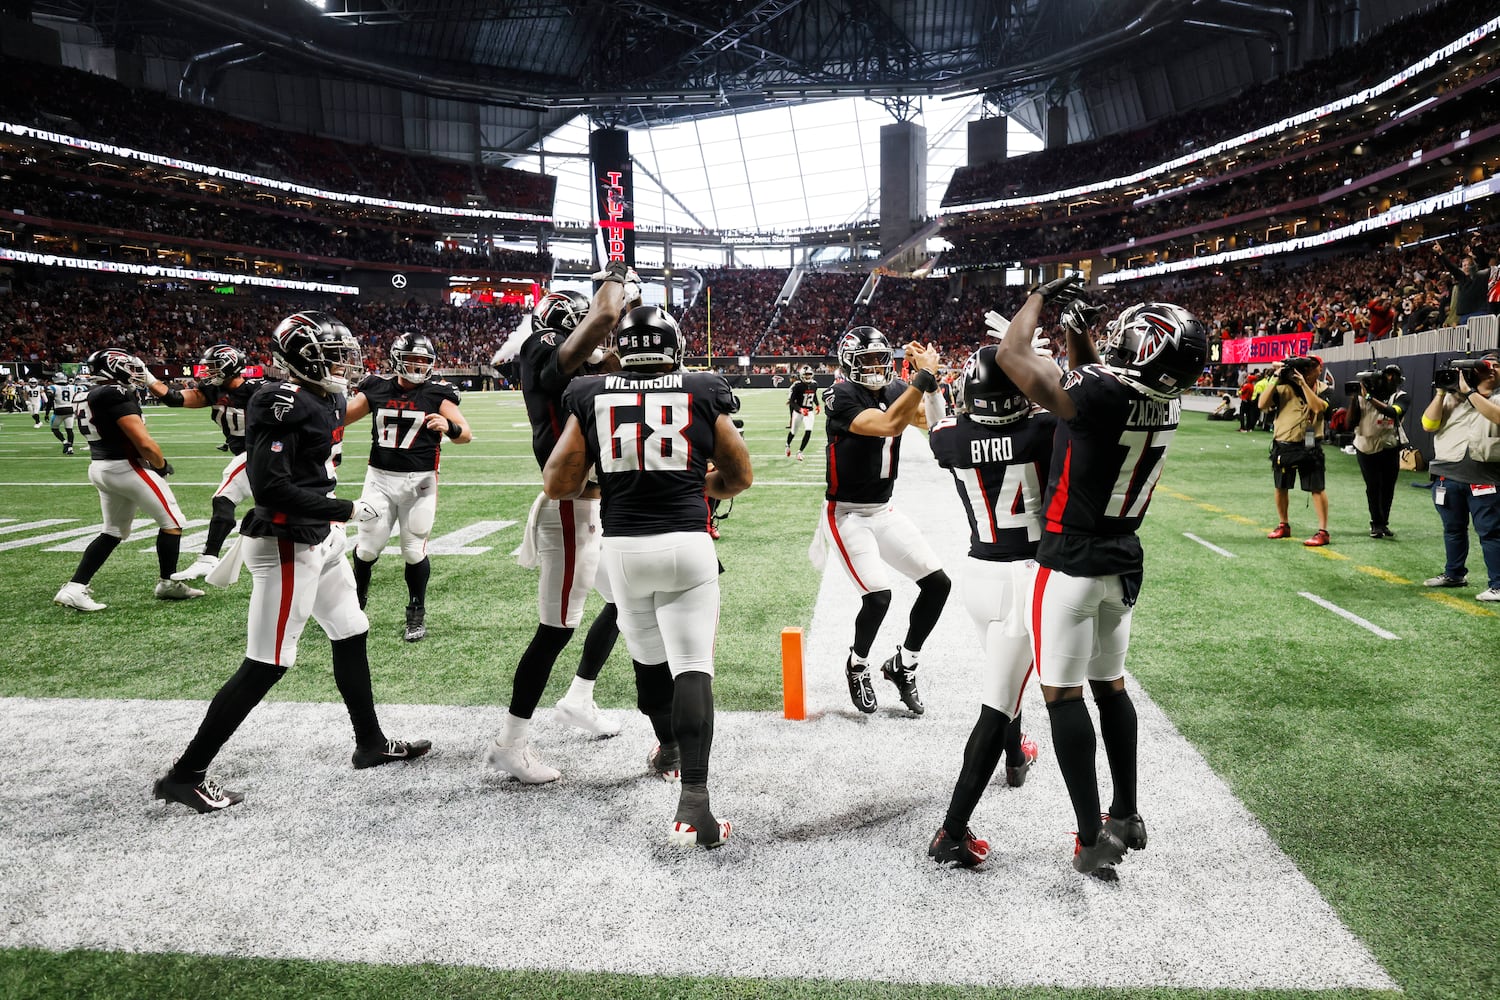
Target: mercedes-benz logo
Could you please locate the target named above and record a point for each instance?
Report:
(398, 281)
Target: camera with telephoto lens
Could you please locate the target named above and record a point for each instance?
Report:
(1304, 365)
(1475, 370)
(1370, 380)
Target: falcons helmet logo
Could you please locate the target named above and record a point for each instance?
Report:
(1156, 335)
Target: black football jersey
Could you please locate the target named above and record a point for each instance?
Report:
(542, 385)
(399, 436)
(98, 417)
(650, 436)
(999, 473)
(860, 469)
(804, 396)
(227, 409)
(1105, 464)
(294, 440)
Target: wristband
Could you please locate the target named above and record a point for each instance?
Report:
(173, 397)
(924, 380)
(453, 431)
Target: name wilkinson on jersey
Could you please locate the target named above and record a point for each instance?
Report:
(669, 381)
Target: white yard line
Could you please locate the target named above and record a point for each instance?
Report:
(1348, 615)
(1210, 546)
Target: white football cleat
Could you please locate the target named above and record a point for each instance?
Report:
(79, 596)
(520, 762)
(201, 567)
(582, 713)
(175, 590)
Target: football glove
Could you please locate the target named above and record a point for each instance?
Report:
(618, 270)
(365, 511)
(1079, 317)
(165, 470)
(995, 325)
(1059, 290)
(1041, 345)
(140, 375)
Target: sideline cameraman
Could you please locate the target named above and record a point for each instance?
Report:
(1465, 421)
(1377, 403)
(1299, 398)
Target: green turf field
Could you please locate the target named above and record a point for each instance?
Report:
(1371, 761)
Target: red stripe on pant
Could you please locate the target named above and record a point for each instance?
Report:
(288, 554)
(833, 529)
(570, 553)
(236, 472)
(1040, 585)
(146, 478)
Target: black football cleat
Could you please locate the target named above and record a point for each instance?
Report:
(905, 679)
(861, 690)
(388, 751)
(1131, 830)
(416, 623)
(1099, 858)
(199, 792)
(970, 852)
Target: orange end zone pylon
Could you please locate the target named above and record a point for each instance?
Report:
(793, 706)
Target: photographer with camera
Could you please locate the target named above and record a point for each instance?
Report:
(1377, 403)
(1465, 422)
(1299, 399)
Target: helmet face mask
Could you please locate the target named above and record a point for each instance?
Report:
(317, 350)
(805, 373)
(1157, 348)
(560, 312)
(224, 363)
(865, 358)
(649, 337)
(414, 357)
(985, 393)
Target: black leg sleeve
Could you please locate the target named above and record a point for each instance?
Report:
(351, 672)
(981, 757)
(417, 575)
(693, 722)
(872, 609)
(1074, 743)
(168, 546)
(362, 571)
(93, 557)
(235, 700)
(1117, 729)
(599, 642)
(1013, 755)
(220, 524)
(932, 594)
(535, 667)
(653, 696)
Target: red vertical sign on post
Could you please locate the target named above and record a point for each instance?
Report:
(609, 153)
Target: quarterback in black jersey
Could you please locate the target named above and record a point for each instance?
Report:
(226, 391)
(562, 536)
(1115, 421)
(130, 473)
(998, 449)
(411, 412)
(293, 540)
(803, 404)
(650, 431)
(868, 409)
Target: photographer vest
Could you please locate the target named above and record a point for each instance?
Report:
(1376, 431)
(1467, 447)
(1294, 417)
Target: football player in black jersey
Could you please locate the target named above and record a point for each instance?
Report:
(650, 431)
(803, 404)
(1115, 422)
(293, 540)
(562, 536)
(998, 449)
(867, 411)
(130, 473)
(412, 412)
(227, 391)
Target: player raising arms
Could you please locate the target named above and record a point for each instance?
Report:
(802, 403)
(650, 431)
(130, 473)
(867, 411)
(1115, 422)
(225, 388)
(294, 541)
(412, 412)
(566, 329)
(998, 449)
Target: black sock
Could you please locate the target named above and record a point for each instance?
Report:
(981, 756)
(70, 435)
(872, 609)
(789, 440)
(220, 524)
(535, 667)
(1074, 743)
(58, 434)
(932, 594)
(1013, 755)
(417, 575)
(362, 572)
(351, 672)
(806, 436)
(235, 700)
(1117, 730)
(599, 642)
(93, 557)
(693, 723)
(653, 696)
(168, 545)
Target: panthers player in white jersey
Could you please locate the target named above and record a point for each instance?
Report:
(225, 388)
(33, 393)
(63, 397)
